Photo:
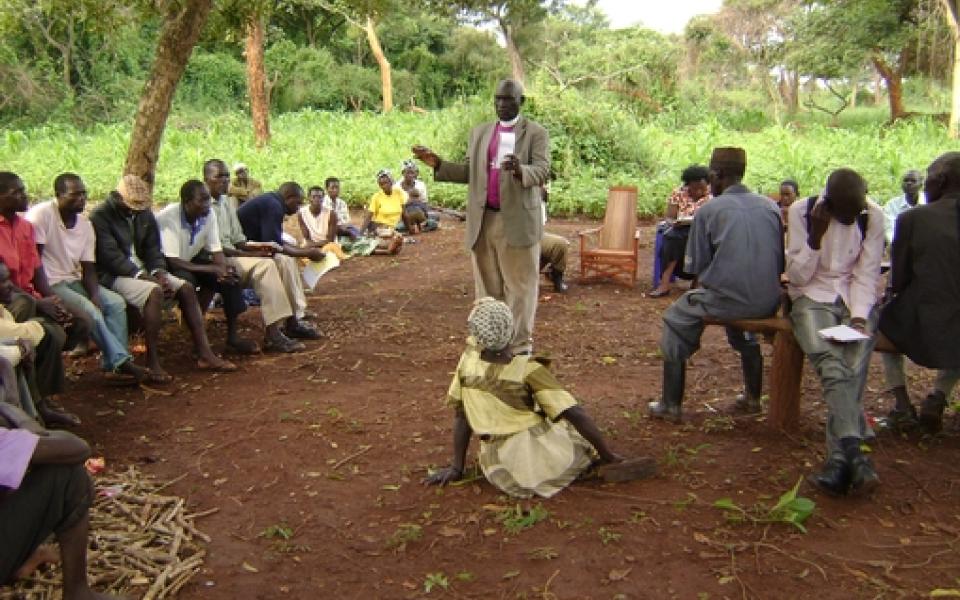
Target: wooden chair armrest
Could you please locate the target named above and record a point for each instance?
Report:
(589, 232)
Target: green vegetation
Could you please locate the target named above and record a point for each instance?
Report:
(518, 518)
(309, 146)
(627, 106)
(790, 508)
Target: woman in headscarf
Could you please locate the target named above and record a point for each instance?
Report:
(534, 436)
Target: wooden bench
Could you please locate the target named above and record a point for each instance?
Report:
(786, 372)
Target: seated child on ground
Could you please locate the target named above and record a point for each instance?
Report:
(415, 212)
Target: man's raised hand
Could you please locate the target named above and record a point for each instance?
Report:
(427, 156)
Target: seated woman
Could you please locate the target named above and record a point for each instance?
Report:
(675, 228)
(415, 187)
(383, 213)
(534, 437)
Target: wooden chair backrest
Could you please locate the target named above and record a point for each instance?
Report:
(620, 220)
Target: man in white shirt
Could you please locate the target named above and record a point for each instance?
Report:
(833, 264)
(254, 265)
(191, 245)
(67, 246)
(911, 184)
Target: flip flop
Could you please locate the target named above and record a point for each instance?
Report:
(159, 378)
(224, 367)
(658, 294)
(630, 469)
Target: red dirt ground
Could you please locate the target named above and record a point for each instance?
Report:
(332, 443)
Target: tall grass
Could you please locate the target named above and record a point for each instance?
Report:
(309, 146)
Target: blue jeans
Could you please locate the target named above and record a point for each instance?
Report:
(109, 327)
(842, 368)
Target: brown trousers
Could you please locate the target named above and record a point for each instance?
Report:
(508, 273)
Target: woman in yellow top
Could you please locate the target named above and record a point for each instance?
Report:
(534, 436)
(386, 206)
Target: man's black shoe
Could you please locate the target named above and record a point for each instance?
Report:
(834, 479)
(863, 478)
(931, 412)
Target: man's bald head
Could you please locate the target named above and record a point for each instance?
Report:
(508, 98)
(943, 177)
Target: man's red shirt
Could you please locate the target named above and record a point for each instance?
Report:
(18, 250)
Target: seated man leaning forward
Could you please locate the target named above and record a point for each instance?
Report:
(534, 437)
(44, 490)
(191, 244)
(67, 246)
(131, 263)
(736, 251)
(262, 221)
(253, 264)
(833, 264)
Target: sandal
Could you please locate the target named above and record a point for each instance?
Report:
(157, 377)
(658, 293)
(224, 366)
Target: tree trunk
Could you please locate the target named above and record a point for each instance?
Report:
(386, 79)
(516, 61)
(257, 80)
(877, 93)
(181, 28)
(894, 80)
(953, 18)
(854, 89)
(954, 122)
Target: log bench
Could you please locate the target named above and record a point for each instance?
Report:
(786, 372)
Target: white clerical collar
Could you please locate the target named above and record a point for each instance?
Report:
(511, 122)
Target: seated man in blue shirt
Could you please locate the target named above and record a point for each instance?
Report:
(262, 221)
(735, 249)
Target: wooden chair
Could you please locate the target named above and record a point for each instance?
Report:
(611, 251)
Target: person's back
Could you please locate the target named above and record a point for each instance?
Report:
(261, 218)
(934, 263)
(735, 248)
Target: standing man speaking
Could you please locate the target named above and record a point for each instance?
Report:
(507, 162)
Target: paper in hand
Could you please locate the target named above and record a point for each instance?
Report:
(842, 334)
(317, 269)
(506, 145)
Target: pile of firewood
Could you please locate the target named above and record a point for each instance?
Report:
(142, 544)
